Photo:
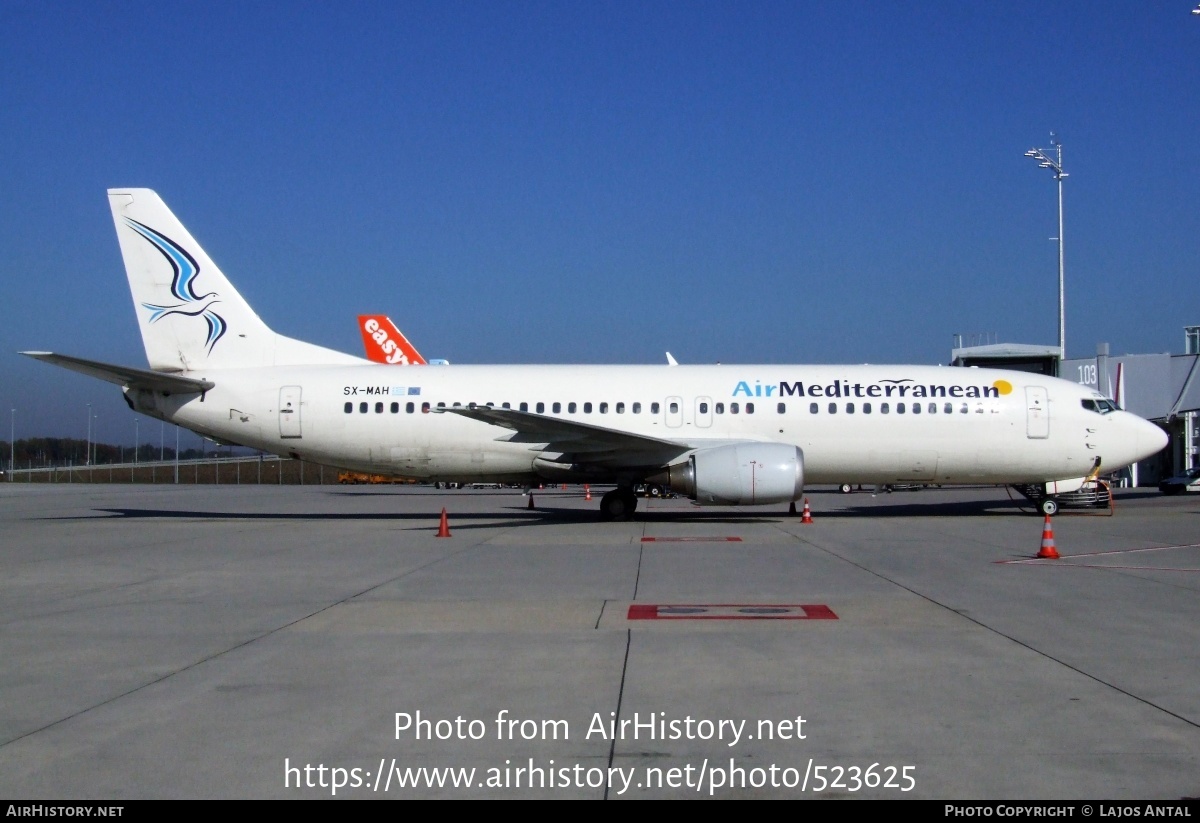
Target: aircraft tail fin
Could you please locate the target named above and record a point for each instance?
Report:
(190, 315)
(385, 344)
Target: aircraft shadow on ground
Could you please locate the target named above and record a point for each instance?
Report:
(473, 520)
(550, 514)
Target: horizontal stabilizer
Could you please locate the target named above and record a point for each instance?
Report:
(124, 375)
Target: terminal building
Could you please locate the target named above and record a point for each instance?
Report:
(1163, 388)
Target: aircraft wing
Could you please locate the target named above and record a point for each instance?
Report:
(567, 436)
(125, 376)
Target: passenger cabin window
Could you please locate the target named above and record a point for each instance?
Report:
(884, 408)
(719, 408)
(812, 408)
(833, 408)
(506, 405)
(675, 408)
(899, 408)
(571, 408)
(556, 408)
(948, 408)
(587, 408)
(849, 408)
(749, 408)
(637, 408)
(424, 408)
(620, 408)
(733, 408)
(704, 408)
(604, 408)
(916, 408)
(866, 408)
(395, 408)
(523, 407)
(349, 407)
(781, 408)
(362, 408)
(540, 408)
(654, 408)
(410, 407)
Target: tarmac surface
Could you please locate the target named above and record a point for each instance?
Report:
(289, 642)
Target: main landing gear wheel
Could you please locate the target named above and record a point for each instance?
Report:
(1049, 506)
(618, 504)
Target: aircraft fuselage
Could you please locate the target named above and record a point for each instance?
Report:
(862, 424)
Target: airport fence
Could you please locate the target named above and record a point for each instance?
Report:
(205, 471)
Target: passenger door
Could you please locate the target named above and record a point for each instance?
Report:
(1037, 413)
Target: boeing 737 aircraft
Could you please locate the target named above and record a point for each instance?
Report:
(722, 435)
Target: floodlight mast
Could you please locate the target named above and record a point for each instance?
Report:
(1054, 163)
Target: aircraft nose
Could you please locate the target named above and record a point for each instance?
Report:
(1151, 439)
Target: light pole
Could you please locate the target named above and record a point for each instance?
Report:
(135, 440)
(12, 443)
(1054, 163)
(87, 459)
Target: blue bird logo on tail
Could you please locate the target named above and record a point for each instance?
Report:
(183, 285)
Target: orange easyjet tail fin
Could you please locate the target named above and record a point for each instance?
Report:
(384, 342)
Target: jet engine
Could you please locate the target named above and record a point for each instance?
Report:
(740, 474)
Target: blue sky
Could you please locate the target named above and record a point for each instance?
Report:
(600, 182)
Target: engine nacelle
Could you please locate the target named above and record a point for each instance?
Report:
(740, 474)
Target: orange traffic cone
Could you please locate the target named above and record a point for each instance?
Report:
(587, 492)
(444, 526)
(807, 516)
(1048, 552)
(530, 506)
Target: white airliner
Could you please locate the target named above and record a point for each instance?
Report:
(722, 435)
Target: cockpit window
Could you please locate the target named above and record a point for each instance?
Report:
(1100, 405)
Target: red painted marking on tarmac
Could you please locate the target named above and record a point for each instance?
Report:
(691, 540)
(729, 611)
